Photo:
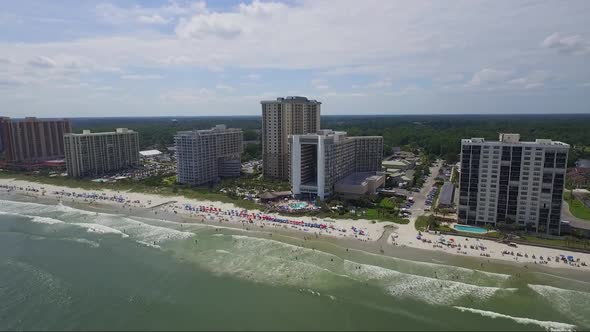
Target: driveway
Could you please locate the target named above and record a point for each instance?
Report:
(420, 198)
(574, 221)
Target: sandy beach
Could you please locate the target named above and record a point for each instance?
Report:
(379, 235)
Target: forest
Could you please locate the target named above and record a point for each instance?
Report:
(438, 135)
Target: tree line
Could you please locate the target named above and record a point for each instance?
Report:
(436, 135)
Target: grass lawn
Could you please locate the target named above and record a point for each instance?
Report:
(577, 208)
(421, 223)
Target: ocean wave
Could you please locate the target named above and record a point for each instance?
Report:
(39, 284)
(148, 244)
(45, 220)
(443, 271)
(33, 218)
(141, 231)
(221, 251)
(276, 262)
(426, 289)
(570, 303)
(547, 325)
(100, 229)
(92, 244)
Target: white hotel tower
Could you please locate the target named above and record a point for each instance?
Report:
(512, 182)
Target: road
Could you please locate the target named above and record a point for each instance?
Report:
(420, 198)
(574, 221)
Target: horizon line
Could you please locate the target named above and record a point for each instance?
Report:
(255, 115)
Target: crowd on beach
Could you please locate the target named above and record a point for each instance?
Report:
(209, 213)
(476, 246)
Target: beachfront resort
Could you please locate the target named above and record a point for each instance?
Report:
(338, 185)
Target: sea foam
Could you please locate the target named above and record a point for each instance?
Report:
(547, 325)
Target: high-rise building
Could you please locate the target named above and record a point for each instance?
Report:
(32, 140)
(319, 161)
(204, 156)
(281, 118)
(512, 182)
(91, 154)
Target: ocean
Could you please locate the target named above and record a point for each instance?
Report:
(63, 268)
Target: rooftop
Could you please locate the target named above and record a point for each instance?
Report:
(215, 130)
(291, 99)
(446, 194)
(30, 119)
(149, 153)
(513, 139)
(583, 163)
(395, 163)
(359, 178)
(87, 132)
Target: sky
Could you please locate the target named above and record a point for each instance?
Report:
(76, 58)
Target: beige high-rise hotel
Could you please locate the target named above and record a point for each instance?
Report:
(204, 156)
(31, 140)
(90, 154)
(281, 118)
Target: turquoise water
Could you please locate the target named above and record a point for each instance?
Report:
(298, 205)
(470, 229)
(67, 269)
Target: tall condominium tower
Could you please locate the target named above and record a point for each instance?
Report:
(91, 154)
(512, 182)
(319, 161)
(281, 118)
(32, 140)
(204, 156)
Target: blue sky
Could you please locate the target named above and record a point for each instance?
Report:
(154, 58)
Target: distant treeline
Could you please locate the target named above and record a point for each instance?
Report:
(436, 134)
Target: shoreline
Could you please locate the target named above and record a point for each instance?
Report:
(381, 244)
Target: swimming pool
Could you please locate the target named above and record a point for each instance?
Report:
(470, 229)
(298, 205)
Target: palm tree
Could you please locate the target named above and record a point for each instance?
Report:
(436, 210)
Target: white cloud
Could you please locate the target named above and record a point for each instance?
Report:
(42, 62)
(489, 76)
(449, 78)
(253, 77)
(383, 83)
(10, 82)
(344, 94)
(566, 44)
(152, 19)
(104, 88)
(137, 77)
(209, 25)
(404, 91)
(224, 87)
(113, 14)
(320, 84)
(188, 96)
(533, 80)
(295, 42)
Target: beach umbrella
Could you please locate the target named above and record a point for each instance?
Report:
(570, 258)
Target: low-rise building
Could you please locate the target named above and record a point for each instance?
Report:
(446, 196)
(358, 184)
(91, 154)
(204, 156)
(397, 164)
(320, 160)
